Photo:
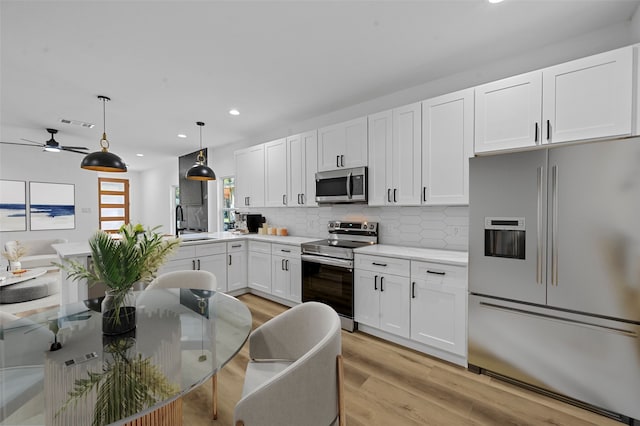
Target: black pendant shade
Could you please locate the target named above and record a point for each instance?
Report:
(103, 161)
(200, 170)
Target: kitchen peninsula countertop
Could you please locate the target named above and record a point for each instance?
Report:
(449, 257)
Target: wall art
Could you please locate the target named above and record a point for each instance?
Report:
(13, 208)
(52, 206)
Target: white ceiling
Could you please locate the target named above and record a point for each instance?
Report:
(168, 64)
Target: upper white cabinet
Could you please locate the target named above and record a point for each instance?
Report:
(394, 156)
(275, 173)
(508, 113)
(447, 145)
(250, 176)
(302, 165)
(343, 145)
(589, 97)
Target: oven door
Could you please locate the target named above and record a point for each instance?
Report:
(330, 281)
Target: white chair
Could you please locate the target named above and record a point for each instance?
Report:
(295, 376)
(199, 280)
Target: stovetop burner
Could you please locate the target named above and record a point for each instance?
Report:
(343, 238)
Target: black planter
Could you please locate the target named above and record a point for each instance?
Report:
(119, 321)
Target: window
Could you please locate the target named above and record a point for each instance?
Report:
(228, 203)
(113, 203)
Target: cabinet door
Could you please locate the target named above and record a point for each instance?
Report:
(243, 177)
(366, 298)
(279, 277)
(439, 315)
(177, 265)
(296, 170)
(236, 270)
(310, 142)
(275, 185)
(294, 267)
(589, 97)
(380, 134)
(259, 275)
(343, 145)
(394, 304)
(508, 113)
(447, 145)
(406, 146)
(217, 265)
(250, 176)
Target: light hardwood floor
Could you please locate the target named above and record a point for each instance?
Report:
(390, 385)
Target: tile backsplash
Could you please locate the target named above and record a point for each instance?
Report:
(441, 227)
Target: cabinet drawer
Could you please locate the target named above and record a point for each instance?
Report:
(236, 246)
(387, 265)
(260, 247)
(210, 249)
(437, 273)
(184, 252)
(285, 250)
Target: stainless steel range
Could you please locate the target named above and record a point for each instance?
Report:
(327, 266)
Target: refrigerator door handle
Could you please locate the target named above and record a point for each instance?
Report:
(554, 226)
(628, 333)
(539, 229)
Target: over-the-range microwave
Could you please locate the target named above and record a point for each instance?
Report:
(342, 186)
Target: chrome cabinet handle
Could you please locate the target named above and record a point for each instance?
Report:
(539, 233)
(554, 226)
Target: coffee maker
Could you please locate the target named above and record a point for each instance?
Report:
(250, 222)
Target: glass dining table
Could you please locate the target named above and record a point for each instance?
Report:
(58, 368)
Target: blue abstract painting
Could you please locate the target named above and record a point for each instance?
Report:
(52, 206)
(13, 208)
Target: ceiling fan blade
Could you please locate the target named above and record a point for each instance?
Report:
(23, 144)
(69, 149)
(74, 147)
(37, 143)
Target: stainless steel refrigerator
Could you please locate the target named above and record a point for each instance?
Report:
(554, 271)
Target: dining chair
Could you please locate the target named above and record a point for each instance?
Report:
(197, 280)
(295, 375)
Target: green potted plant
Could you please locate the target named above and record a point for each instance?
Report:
(119, 262)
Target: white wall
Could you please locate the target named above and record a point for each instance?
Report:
(157, 207)
(33, 165)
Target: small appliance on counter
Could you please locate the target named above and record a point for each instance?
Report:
(250, 221)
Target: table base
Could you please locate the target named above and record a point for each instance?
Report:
(167, 415)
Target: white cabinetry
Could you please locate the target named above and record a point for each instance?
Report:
(286, 272)
(508, 113)
(250, 176)
(343, 145)
(302, 165)
(394, 143)
(275, 173)
(447, 145)
(587, 98)
(381, 298)
(439, 306)
(207, 257)
(236, 265)
(259, 274)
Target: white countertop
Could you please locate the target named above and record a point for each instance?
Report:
(449, 257)
(80, 249)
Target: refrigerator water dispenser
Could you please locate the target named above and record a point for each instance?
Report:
(504, 237)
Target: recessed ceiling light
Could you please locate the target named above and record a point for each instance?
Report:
(496, 1)
(234, 112)
(140, 155)
(182, 135)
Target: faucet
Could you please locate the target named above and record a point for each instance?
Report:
(179, 220)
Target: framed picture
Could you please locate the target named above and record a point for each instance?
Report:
(13, 208)
(52, 206)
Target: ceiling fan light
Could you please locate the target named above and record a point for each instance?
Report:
(103, 161)
(52, 149)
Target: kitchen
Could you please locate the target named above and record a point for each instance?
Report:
(444, 226)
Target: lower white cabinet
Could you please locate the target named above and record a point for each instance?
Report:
(382, 301)
(259, 265)
(236, 265)
(286, 272)
(439, 306)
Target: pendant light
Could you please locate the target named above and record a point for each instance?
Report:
(103, 161)
(200, 171)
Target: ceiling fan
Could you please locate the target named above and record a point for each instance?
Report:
(51, 145)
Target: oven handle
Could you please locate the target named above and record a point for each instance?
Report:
(341, 263)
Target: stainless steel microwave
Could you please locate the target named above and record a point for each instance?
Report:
(342, 186)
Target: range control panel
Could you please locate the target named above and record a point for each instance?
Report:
(336, 225)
